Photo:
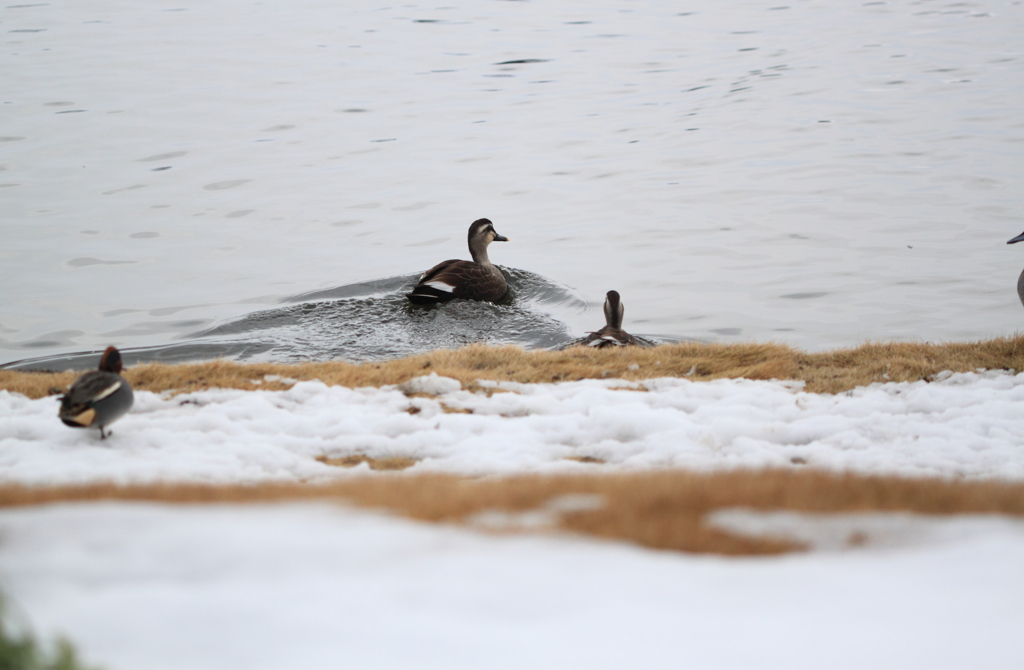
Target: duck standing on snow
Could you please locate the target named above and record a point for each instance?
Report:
(1020, 279)
(472, 280)
(612, 335)
(98, 398)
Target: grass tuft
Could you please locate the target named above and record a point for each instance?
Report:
(392, 463)
(21, 651)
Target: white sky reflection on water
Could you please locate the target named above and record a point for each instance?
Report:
(817, 174)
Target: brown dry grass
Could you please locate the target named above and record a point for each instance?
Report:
(662, 510)
(390, 463)
(824, 372)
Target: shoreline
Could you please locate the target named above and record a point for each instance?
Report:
(834, 371)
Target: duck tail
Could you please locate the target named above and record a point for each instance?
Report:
(423, 294)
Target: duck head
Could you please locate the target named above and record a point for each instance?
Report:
(482, 233)
(613, 310)
(110, 361)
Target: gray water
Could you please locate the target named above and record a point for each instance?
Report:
(195, 181)
(361, 322)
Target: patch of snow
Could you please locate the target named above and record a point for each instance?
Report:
(279, 378)
(872, 530)
(431, 384)
(546, 517)
(964, 426)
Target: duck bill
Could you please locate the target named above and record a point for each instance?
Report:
(502, 238)
(1019, 238)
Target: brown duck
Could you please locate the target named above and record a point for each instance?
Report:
(612, 335)
(477, 279)
(98, 398)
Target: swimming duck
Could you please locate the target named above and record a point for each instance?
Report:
(612, 335)
(1020, 279)
(98, 398)
(473, 280)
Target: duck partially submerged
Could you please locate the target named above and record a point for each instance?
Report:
(1020, 279)
(478, 279)
(98, 398)
(612, 335)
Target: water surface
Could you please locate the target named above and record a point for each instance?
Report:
(360, 322)
(810, 173)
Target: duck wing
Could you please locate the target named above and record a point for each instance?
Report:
(77, 404)
(459, 279)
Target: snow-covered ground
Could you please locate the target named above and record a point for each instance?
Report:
(962, 425)
(321, 586)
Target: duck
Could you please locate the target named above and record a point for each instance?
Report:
(477, 279)
(98, 398)
(612, 335)
(1020, 279)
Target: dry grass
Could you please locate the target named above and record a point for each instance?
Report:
(392, 463)
(826, 372)
(662, 510)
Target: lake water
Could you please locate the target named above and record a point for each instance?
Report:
(260, 180)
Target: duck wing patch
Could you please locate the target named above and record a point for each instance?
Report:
(440, 285)
(107, 391)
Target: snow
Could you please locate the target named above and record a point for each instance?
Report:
(320, 586)
(836, 532)
(961, 425)
(432, 384)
